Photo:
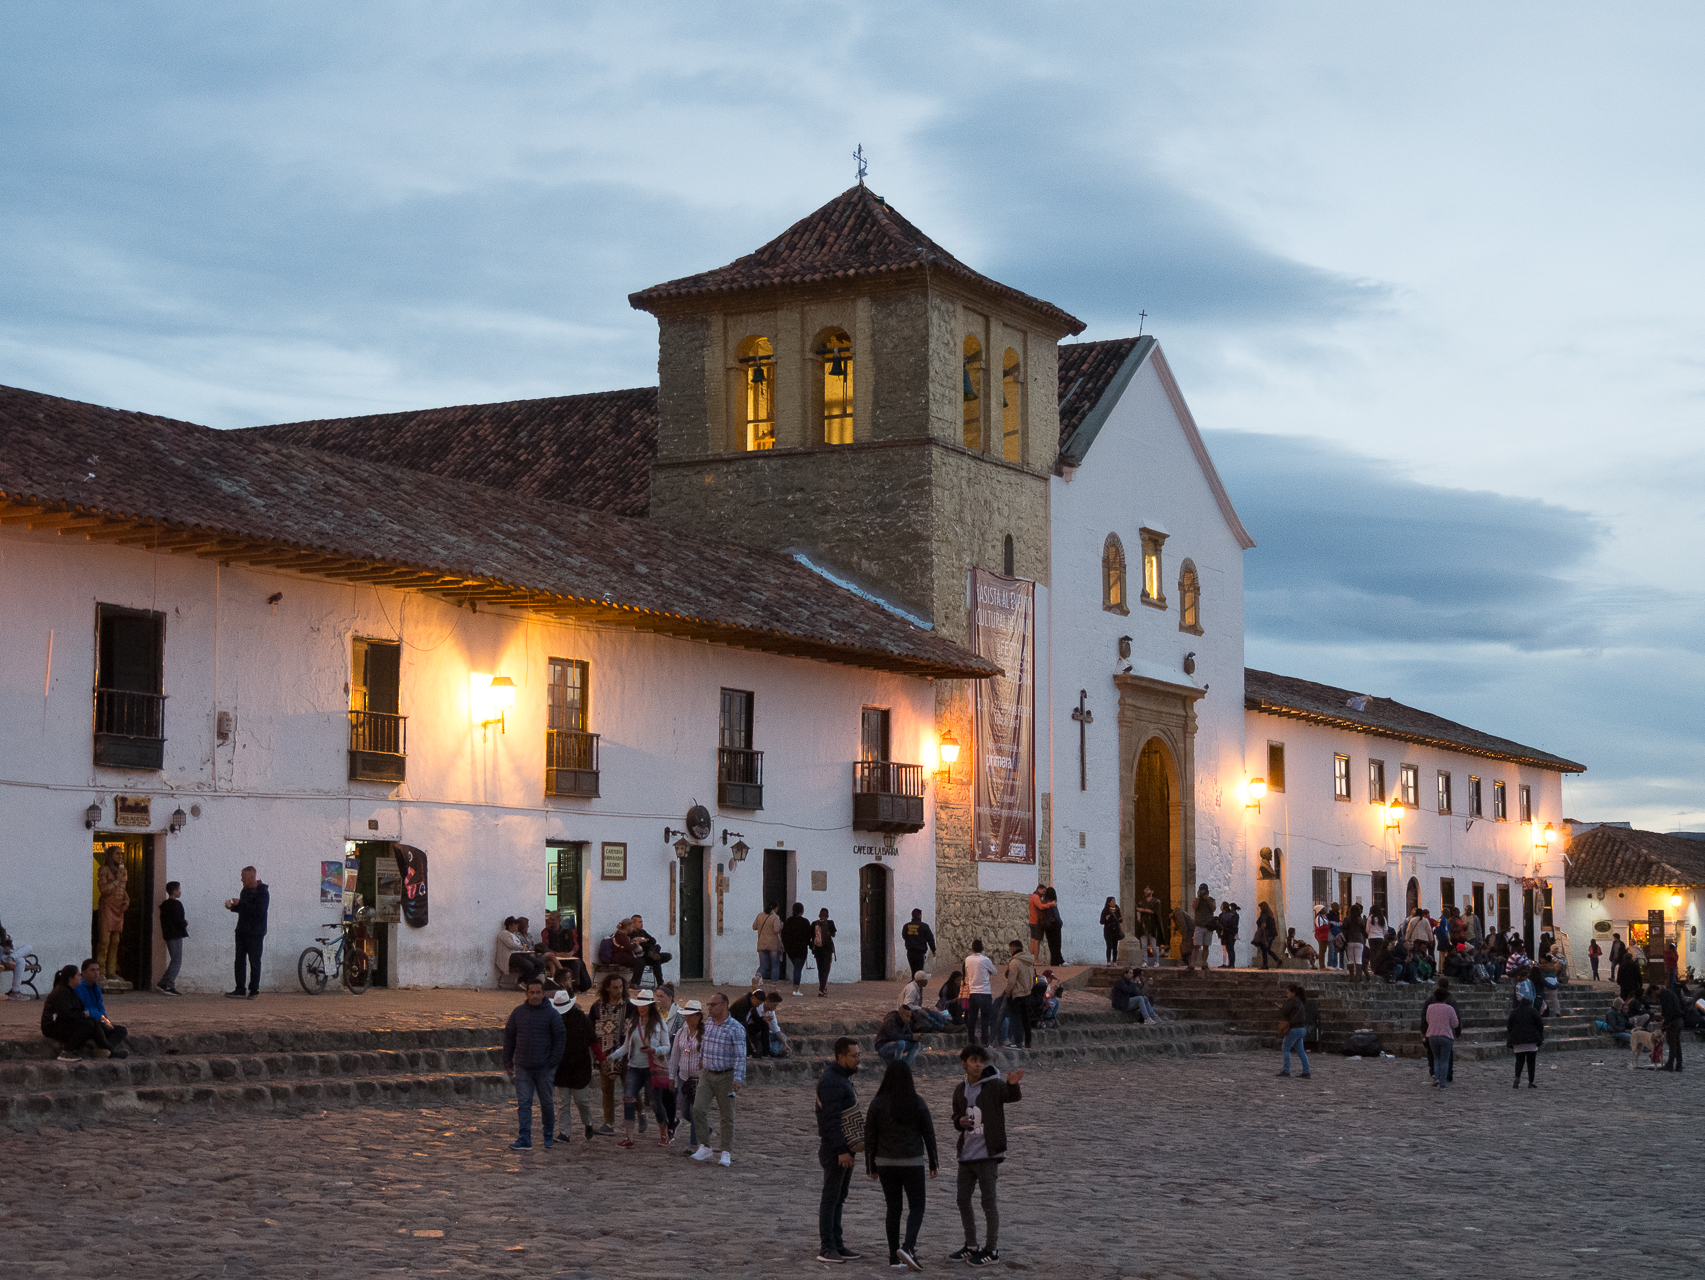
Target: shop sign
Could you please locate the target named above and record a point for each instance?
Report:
(613, 862)
(387, 891)
(131, 811)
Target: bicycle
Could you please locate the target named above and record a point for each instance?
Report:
(346, 955)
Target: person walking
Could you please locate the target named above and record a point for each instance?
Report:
(533, 1044)
(796, 942)
(1202, 920)
(836, 1148)
(1112, 929)
(899, 1145)
(1618, 949)
(1293, 1027)
(1594, 951)
(1356, 943)
(918, 939)
(1441, 992)
(684, 1067)
(1226, 924)
(979, 1117)
(251, 908)
(173, 930)
(1185, 923)
(1052, 924)
(823, 949)
(722, 1050)
(574, 1069)
(1151, 929)
(1266, 933)
(642, 1054)
(1020, 982)
(1441, 1028)
(1675, 1019)
(1524, 1032)
(979, 986)
(768, 928)
(613, 1016)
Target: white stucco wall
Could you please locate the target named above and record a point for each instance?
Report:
(1315, 829)
(1140, 472)
(276, 795)
(1623, 907)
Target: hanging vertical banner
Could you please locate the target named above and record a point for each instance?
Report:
(1003, 629)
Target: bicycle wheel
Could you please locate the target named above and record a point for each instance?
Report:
(357, 971)
(311, 971)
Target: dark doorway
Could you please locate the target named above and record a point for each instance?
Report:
(1527, 919)
(136, 941)
(1447, 896)
(367, 885)
(570, 898)
(1479, 894)
(1503, 908)
(1381, 900)
(1151, 854)
(691, 903)
(873, 916)
(1411, 897)
(775, 881)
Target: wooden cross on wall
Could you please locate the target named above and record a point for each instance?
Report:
(1084, 718)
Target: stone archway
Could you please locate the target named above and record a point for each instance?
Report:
(1157, 741)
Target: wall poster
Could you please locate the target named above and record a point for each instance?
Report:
(613, 862)
(412, 863)
(1003, 629)
(387, 891)
(331, 882)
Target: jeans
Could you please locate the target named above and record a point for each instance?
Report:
(633, 1091)
(1148, 945)
(797, 964)
(824, 958)
(1018, 1019)
(914, 962)
(1442, 1047)
(979, 1013)
(684, 1096)
(772, 966)
(248, 952)
(1293, 1043)
(15, 957)
(542, 1081)
(899, 1051)
(175, 949)
(909, 1181)
(983, 1174)
(1052, 932)
(1265, 947)
(718, 1087)
(931, 1019)
(836, 1183)
(656, 967)
(1594, 960)
(1230, 954)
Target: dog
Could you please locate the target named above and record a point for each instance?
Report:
(1646, 1049)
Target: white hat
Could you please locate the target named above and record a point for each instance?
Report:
(692, 1006)
(642, 1000)
(561, 999)
(644, 993)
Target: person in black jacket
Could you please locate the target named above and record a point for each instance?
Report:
(173, 931)
(251, 908)
(67, 1023)
(1669, 1001)
(823, 949)
(918, 938)
(1524, 1033)
(574, 1072)
(533, 1044)
(979, 1115)
(899, 1142)
(796, 942)
(835, 1097)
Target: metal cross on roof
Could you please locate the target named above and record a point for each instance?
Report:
(1142, 319)
(863, 164)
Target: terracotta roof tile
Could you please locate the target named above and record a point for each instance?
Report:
(1610, 857)
(1384, 718)
(593, 451)
(1086, 369)
(856, 234)
(253, 492)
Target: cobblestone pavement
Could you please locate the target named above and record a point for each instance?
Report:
(1197, 1167)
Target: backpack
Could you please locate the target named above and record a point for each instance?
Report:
(1038, 995)
(1365, 1043)
(607, 951)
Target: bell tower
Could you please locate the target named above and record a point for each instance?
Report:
(854, 393)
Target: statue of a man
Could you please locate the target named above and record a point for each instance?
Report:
(113, 881)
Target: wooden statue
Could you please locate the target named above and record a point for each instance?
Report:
(113, 881)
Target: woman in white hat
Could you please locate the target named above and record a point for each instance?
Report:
(684, 1066)
(645, 1053)
(663, 1100)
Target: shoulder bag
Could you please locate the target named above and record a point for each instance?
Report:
(852, 1128)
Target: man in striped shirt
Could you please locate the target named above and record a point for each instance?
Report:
(723, 1070)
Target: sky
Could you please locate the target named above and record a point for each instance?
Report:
(1429, 277)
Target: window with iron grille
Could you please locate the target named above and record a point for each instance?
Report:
(129, 693)
(1323, 885)
(1341, 777)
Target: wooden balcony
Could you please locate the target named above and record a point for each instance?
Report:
(129, 729)
(377, 746)
(739, 778)
(888, 796)
(571, 763)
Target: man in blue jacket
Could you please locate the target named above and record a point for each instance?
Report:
(534, 1040)
(95, 1005)
(251, 907)
(835, 1096)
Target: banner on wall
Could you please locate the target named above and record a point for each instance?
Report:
(412, 863)
(1003, 629)
(331, 883)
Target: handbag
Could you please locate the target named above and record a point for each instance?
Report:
(660, 1078)
(852, 1128)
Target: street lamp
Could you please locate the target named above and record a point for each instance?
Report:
(91, 816)
(1257, 789)
(1394, 816)
(947, 747)
(501, 696)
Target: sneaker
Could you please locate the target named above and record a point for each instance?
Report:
(253, 994)
(908, 1259)
(550, 1142)
(727, 1159)
(822, 995)
(703, 1153)
(626, 1144)
(847, 1255)
(829, 1255)
(590, 1133)
(962, 1255)
(71, 1057)
(606, 1131)
(19, 995)
(662, 1139)
(1281, 1073)
(1303, 1075)
(796, 991)
(561, 1137)
(897, 1265)
(521, 1144)
(235, 995)
(977, 1258)
(101, 1053)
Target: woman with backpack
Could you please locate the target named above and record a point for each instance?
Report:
(1112, 929)
(823, 948)
(899, 1144)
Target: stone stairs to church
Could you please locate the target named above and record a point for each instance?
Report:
(1248, 1000)
(235, 1071)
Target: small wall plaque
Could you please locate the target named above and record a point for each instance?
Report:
(130, 811)
(613, 864)
(819, 882)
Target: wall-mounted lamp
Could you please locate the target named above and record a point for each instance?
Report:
(947, 747)
(682, 848)
(91, 816)
(1257, 789)
(1675, 899)
(738, 853)
(669, 833)
(502, 697)
(1394, 816)
(179, 818)
(1545, 836)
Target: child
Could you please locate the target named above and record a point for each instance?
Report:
(979, 1114)
(173, 931)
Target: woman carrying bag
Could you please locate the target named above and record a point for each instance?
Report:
(1112, 929)
(645, 1053)
(899, 1144)
(685, 1065)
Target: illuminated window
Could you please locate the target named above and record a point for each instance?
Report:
(973, 394)
(1444, 792)
(1411, 786)
(834, 349)
(1012, 447)
(1113, 575)
(1189, 599)
(1152, 593)
(757, 359)
(1500, 803)
(1376, 782)
(1275, 766)
(1341, 777)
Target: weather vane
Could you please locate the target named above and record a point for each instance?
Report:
(863, 164)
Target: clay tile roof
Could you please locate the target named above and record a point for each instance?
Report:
(593, 451)
(238, 496)
(1611, 857)
(1086, 371)
(1383, 718)
(856, 234)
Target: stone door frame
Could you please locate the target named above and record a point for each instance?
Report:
(1150, 708)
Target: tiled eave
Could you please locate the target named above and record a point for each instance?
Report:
(1553, 763)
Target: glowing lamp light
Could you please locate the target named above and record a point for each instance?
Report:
(1675, 899)
(1257, 789)
(1394, 815)
(500, 696)
(948, 747)
(1545, 837)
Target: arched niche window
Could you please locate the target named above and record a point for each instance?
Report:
(756, 357)
(973, 394)
(1012, 444)
(834, 353)
(1006, 556)
(1153, 594)
(1113, 575)
(1189, 599)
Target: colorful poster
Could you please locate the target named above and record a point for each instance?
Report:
(387, 891)
(331, 883)
(412, 861)
(1003, 629)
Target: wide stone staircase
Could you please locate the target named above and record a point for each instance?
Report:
(302, 1069)
(1247, 1001)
